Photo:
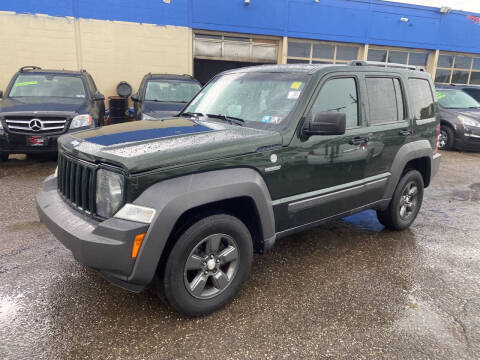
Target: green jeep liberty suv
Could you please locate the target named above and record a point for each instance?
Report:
(260, 153)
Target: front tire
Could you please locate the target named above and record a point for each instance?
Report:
(447, 138)
(207, 265)
(405, 204)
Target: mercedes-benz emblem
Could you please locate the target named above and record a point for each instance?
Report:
(35, 125)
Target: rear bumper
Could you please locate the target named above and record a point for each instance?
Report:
(104, 246)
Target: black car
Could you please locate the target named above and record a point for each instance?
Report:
(460, 119)
(40, 105)
(161, 95)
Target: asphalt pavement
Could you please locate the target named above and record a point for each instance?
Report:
(348, 289)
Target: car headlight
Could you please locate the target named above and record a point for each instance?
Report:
(147, 117)
(81, 121)
(468, 121)
(1, 126)
(109, 194)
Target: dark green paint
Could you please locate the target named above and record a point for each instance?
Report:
(316, 163)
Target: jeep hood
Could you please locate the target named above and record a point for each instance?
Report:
(151, 144)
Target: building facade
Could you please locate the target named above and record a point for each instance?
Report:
(123, 40)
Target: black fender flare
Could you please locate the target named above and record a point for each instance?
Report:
(173, 197)
(413, 150)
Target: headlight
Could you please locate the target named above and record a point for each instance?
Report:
(109, 195)
(136, 213)
(468, 121)
(1, 126)
(147, 117)
(56, 172)
(81, 121)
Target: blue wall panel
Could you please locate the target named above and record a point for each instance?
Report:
(362, 21)
(261, 17)
(54, 8)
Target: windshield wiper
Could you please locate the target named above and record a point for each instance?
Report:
(194, 114)
(230, 119)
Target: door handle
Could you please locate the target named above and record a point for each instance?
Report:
(404, 132)
(358, 140)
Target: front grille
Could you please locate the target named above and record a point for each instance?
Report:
(76, 183)
(36, 124)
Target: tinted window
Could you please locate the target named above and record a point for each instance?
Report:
(377, 55)
(419, 59)
(339, 95)
(298, 49)
(399, 57)
(422, 98)
(323, 51)
(347, 52)
(385, 100)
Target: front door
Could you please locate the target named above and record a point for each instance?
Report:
(326, 172)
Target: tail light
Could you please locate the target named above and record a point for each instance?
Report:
(438, 139)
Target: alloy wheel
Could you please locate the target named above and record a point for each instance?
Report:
(408, 200)
(211, 266)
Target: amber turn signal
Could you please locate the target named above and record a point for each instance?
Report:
(137, 244)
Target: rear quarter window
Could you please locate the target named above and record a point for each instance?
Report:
(422, 99)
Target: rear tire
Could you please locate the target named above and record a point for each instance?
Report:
(405, 204)
(207, 265)
(447, 138)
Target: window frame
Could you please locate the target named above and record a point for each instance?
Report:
(401, 49)
(334, 60)
(406, 112)
(452, 68)
(308, 112)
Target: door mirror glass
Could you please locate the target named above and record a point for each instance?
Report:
(135, 97)
(326, 123)
(1, 94)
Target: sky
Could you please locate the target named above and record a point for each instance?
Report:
(465, 5)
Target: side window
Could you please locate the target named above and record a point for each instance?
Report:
(385, 100)
(339, 95)
(422, 99)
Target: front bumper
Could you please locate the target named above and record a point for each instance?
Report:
(27, 144)
(468, 139)
(105, 246)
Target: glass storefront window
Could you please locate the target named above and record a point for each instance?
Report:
(299, 49)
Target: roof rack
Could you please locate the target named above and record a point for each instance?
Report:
(384, 64)
(30, 67)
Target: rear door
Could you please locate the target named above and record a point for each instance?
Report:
(389, 127)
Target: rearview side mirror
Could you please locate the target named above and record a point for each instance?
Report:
(98, 96)
(326, 123)
(1, 94)
(135, 98)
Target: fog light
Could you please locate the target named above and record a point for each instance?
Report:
(137, 244)
(136, 213)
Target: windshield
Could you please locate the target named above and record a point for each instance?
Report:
(48, 86)
(452, 99)
(252, 96)
(171, 91)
